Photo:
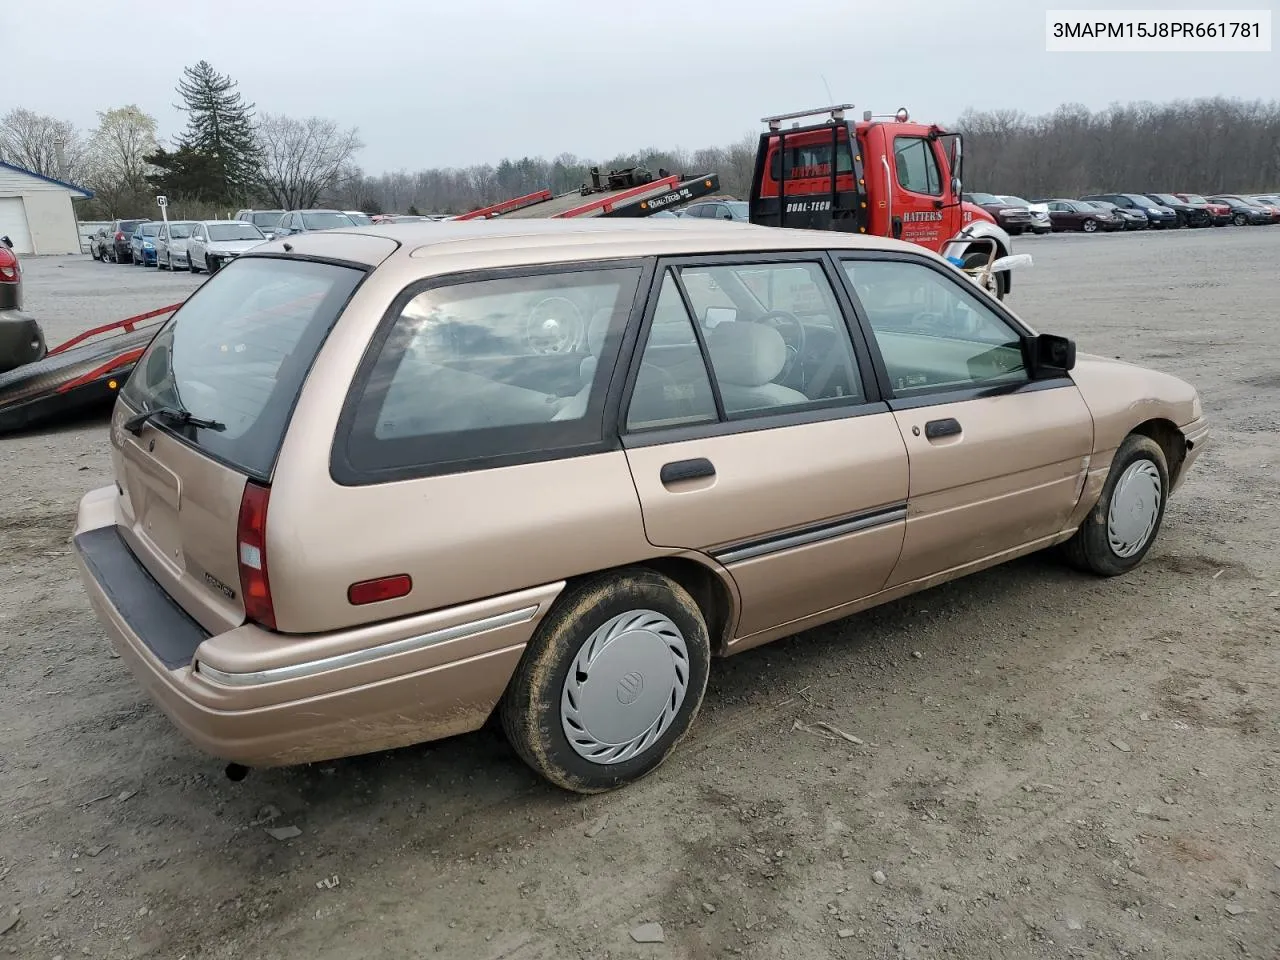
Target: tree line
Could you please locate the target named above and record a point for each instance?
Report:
(1208, 145)
(229, 156)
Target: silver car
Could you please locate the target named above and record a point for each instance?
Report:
(215, 242)
(171, 244)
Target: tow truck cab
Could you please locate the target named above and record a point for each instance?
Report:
(885, 176)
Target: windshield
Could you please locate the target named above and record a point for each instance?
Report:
(740, 209)
(1195, 198)
(266, 219)
(148, 229)
(1141, 200)
(360, 220)
(1165, 198)
(238, 351)
(325, 221)
(234, 231)
(179, 230)
(984, 198)
(1016, 201)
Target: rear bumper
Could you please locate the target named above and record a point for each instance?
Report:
(259, 698)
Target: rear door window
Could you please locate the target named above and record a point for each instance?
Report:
(487, 371)
(237, 353)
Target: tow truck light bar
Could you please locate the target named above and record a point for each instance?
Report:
(836, 112)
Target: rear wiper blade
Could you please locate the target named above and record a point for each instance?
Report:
(174, 416)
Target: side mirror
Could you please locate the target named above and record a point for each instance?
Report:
(955, 187)
(718, 315)
(1047, 355)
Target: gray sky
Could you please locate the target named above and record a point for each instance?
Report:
(444, 83)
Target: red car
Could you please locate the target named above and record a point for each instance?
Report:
(1219, 213)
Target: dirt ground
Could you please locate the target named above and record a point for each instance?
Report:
(1052, 765)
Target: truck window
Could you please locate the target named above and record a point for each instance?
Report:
(812, 160)
(917, 166)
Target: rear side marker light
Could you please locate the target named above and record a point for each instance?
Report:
(383, 588)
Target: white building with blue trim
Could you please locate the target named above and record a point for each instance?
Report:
(37, 213)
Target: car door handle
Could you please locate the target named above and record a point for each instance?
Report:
(935, 429)
(693, 469)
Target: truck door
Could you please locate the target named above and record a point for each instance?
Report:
(917, 196)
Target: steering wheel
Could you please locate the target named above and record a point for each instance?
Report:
(554, 326)
(791, 328)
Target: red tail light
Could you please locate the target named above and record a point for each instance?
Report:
(8, 266)
(251, 547)
(119, 235)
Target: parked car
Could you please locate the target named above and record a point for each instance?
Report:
(111, 243)
(214, 243)
(1244, 212)
(10, 278)
(171, 244)
(1219, 213)
(416, 395)
(142, 243)
(718, 210)
(304, 221)
(1040, 221)
(1269, 203)
(1014, 219)
(1158, 215)
(1189, 214)
(1130, 217)
(264, 220)
(358, 218)
(399, 218)
(1067, 214)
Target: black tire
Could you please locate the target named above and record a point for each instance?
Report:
(1089, 226)
(977, 258)
(531, 707)
(210, 264)
(1090, 549)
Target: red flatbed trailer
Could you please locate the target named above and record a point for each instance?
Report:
(621, 193)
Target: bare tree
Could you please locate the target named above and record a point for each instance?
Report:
(42, 144)
(303, 160)
(116, 164)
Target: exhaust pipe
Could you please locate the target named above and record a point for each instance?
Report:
(236, 772)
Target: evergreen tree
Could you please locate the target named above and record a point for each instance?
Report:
(220, 127)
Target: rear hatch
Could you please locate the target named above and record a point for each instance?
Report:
(231, 362)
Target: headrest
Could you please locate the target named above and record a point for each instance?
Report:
(746, 354)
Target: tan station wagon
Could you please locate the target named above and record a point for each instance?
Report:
(374, 484)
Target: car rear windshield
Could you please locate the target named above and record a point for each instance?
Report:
(325, 221)
(237, 353)
(128, 226)
(148, 229)
(234, 231)
(267, 220)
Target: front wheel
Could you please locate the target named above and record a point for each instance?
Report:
(1123, 524)
(1240, 220)
(610, 683)
(1089, 226)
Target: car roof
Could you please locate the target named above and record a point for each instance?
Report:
(492, 244)
(207, 222)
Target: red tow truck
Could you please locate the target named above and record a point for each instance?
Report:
(632, 192)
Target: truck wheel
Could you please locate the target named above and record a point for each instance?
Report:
(977, 258)
(610, 683)
(1123, 524)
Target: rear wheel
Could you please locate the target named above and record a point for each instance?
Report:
(610, 683)
(1123, 524)
(1089, 226)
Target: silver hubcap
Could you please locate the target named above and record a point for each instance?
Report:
(1135, 505)
(625, 687)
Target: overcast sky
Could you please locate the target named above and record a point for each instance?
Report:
(441, 83)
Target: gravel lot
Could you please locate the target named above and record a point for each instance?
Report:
(1053, 765)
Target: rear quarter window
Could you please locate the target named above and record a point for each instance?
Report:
(480, 373)
(237, 353)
